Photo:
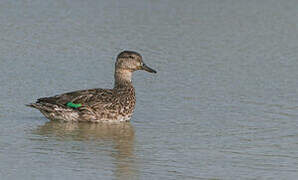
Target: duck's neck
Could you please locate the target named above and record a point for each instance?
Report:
(122, 78)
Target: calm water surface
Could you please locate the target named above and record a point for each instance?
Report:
(223, 105)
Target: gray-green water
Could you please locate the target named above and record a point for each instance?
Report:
(223, 105)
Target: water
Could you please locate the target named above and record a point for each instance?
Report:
(223, 105)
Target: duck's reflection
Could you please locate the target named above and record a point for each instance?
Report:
(120, 134)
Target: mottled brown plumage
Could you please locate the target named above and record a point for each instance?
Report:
(98, 105)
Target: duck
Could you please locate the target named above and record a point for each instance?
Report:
(98, 105)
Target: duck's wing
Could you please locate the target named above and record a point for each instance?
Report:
(83, 97)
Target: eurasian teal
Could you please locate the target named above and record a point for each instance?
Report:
(98, 105)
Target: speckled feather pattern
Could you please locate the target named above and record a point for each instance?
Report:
(98, 105)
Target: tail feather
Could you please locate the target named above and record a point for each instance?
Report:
(56, 112)
(50, 100)
(43, 106)
(34, 105)
(30, 105)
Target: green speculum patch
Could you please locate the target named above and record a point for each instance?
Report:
(73, 105)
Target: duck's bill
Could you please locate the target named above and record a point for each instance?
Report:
(148, 69)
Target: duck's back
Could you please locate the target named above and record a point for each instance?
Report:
(116, 105)
(96, 105)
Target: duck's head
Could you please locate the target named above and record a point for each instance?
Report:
(131, 61)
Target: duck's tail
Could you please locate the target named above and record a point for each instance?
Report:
(42, 106)
(56, 112)
(33, 105)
